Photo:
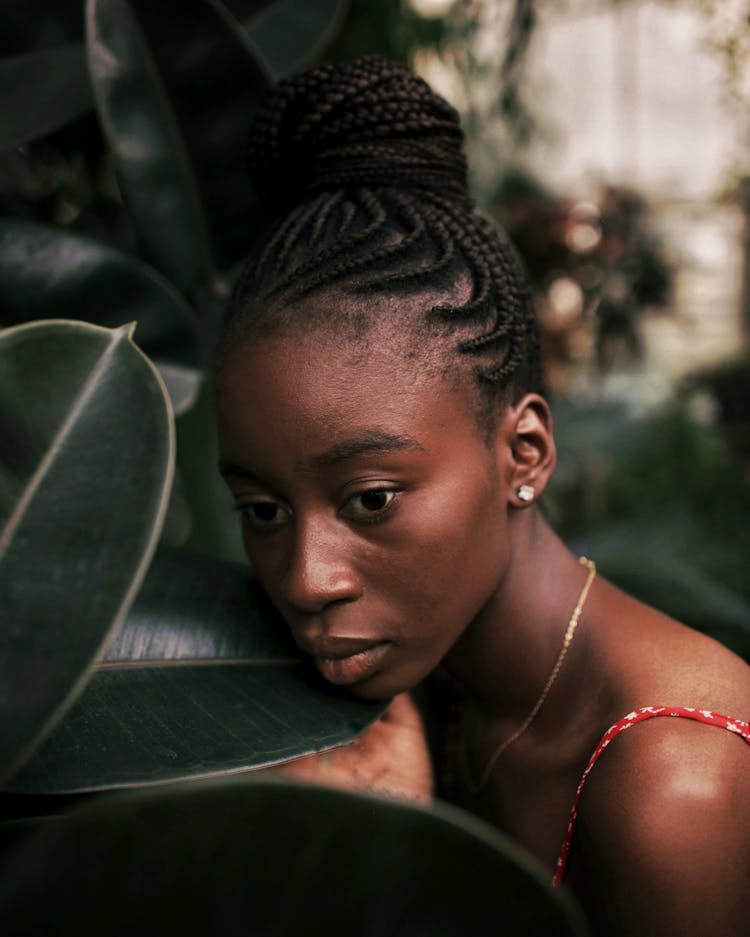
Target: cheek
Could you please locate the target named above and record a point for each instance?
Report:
(457, 549)
(436, 588)
(464, 522)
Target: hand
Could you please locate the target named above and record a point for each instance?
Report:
(389, 758)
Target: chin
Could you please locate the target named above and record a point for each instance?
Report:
(368, 692)
(383, 686)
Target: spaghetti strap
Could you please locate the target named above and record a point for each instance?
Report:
(738, 726)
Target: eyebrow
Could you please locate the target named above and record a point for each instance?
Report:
(372, 440)
(231, 468)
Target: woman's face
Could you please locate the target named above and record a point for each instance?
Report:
(374, 514)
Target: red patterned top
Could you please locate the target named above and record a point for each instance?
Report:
(639, 715)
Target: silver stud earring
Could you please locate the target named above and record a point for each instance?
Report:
(525, 493)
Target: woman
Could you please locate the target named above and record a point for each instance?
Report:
(384, 436)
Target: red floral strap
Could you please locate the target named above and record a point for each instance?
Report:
(639, 715)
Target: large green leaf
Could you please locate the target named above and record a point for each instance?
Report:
(288, 35)
(42, 91)
(272, 860)
(175, 83)
(201, 680)
(85, 468)
(46, 273)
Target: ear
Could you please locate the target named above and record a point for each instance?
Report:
(528, 438)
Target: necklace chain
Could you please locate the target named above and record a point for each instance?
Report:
(475, 786)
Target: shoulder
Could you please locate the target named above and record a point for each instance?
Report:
(664, 830)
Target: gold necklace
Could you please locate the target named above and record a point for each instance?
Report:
(474, 787)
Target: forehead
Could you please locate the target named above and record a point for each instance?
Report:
(301, 393)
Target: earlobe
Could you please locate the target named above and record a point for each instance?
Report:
(531, 443)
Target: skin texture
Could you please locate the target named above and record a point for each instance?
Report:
(390, 759)
(376, 515)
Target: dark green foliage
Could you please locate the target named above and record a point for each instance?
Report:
(288, 35)
(87, 460)
(270, 860)
(201, 680)
(389, 27)
(42, 91)
(37, 25)
(729, 384)
(46, 273)
(180, 78)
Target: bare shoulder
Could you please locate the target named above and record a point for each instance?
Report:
(661, 661)
(664, 836)
(662, 844)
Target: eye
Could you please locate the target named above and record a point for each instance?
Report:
(263, 514)
(371, 505)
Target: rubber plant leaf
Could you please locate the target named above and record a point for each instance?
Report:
(175, 84)
(287, 35)
(42, 91)
(202, 680)
(85, 470)
(277, 859)
(49, 273)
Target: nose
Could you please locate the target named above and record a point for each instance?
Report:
(320, 571)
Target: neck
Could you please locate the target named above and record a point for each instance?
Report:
(505, 656)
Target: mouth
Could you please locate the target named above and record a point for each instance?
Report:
(343, 665)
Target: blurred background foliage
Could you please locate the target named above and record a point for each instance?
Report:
(654, 483)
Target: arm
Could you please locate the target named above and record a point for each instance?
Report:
(390, 758)
(663, 846)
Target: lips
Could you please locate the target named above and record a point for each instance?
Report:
(343, 662)
(329, 646)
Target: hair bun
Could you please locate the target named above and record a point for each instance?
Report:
(370, 122)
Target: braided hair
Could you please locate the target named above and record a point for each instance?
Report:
(362, 167)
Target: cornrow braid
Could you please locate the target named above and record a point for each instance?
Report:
(429, 268)
(362, 167)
